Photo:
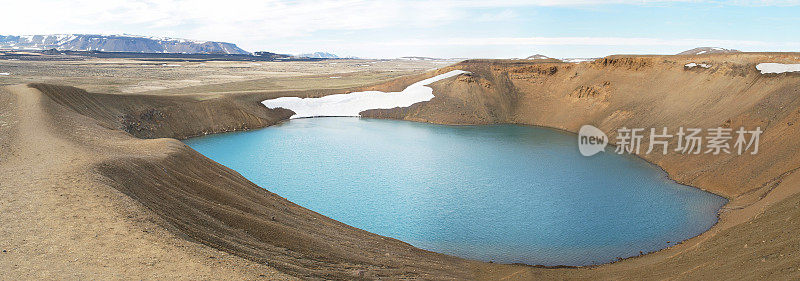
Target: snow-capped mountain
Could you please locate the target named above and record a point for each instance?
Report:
(318, 55)
(117, 43)
(537, 57)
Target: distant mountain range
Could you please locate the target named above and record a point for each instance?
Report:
(117, 43)
(419, 58)
(318, 55)
(542, 58)
(708, 50)
(149, 44)
(537, 57)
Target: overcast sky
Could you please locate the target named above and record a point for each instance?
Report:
(454, 28)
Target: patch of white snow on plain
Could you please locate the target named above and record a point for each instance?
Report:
(577, 60)
(352, 104)
(692, 65)
(767, 68)
(171, 65)
(4, 74)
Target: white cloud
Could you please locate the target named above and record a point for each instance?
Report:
(506, 47)
(232, 19)
(271, 18)
(583, 41)
(253, 23)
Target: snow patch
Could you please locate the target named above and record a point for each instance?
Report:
(577, 60)
(777, 68)
(692, 65)
(4, 74)
(352, 104)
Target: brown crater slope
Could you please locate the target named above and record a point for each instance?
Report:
(636, 92)
(93, 189)
(85, 199)
(753, 237)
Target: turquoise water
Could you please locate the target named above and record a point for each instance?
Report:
(500, 193)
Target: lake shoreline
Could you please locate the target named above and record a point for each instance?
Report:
(255, 155)
(761, 193)
(501, 80)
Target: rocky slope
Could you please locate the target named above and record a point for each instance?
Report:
(117, 43)
(634, 92)
(657, 92)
